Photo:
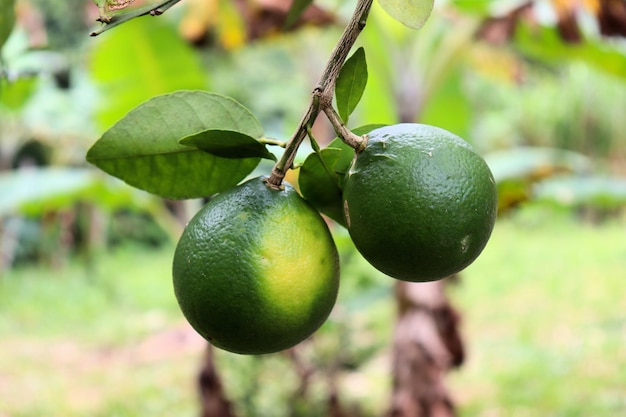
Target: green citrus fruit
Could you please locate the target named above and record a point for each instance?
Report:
(419, 202)
(256, 270)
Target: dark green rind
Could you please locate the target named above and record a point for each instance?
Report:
(217, 263)
(394, 227)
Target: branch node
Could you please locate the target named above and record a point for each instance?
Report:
(362, 144)
(271, 182)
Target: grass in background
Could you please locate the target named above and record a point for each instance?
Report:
(105, 341)
(543, 314)
(545, 320)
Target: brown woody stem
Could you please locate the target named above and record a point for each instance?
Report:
(116, 20)
(322, 96)
(355, 141)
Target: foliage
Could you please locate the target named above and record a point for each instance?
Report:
(351, 84)
(322, 174)
(35, 191)
(575, 107)
(410, 13)
(602, 193)
(553, 51)
(144, 148)
(157, 61)
(7, 20)
(441, 61)
(49, 212)
(121, 160)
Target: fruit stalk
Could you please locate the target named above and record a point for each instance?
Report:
(355, 141)
(323, 93)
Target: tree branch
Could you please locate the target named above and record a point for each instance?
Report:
(323, 93)
(118, 19)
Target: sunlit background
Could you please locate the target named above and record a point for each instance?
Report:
(89, 325)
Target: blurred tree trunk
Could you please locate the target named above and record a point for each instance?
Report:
(212, 397)
(426, 345)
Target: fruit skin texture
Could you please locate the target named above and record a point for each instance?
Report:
(419, 202)
(256, 270)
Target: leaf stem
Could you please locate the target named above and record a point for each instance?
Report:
(322, 95)
(318, 151)
(273, 142)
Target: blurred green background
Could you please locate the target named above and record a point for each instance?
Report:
(88, 321)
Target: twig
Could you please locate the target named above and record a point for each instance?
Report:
(323, 93)
(118, 19)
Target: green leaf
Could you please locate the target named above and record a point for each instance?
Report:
(296, 10)
(346, 155)
(449, 106)
(351, 84)
(319, 185)
(545, 44)
(473, 7)
(228, 144)
(7, 19)
(516, 170)
(582, 191)
(411, 13)
(143, 150)
(532, 163)
(322, 175)
(41, 186)
(139, 60)
(15, 94)
(35, 191)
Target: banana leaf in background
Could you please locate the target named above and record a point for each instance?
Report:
(34, 191)
(34, 201)
(553, 176)
(516, 171)
(583, 192)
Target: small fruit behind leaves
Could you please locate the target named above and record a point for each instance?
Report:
(256, 270)
(419, 202)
